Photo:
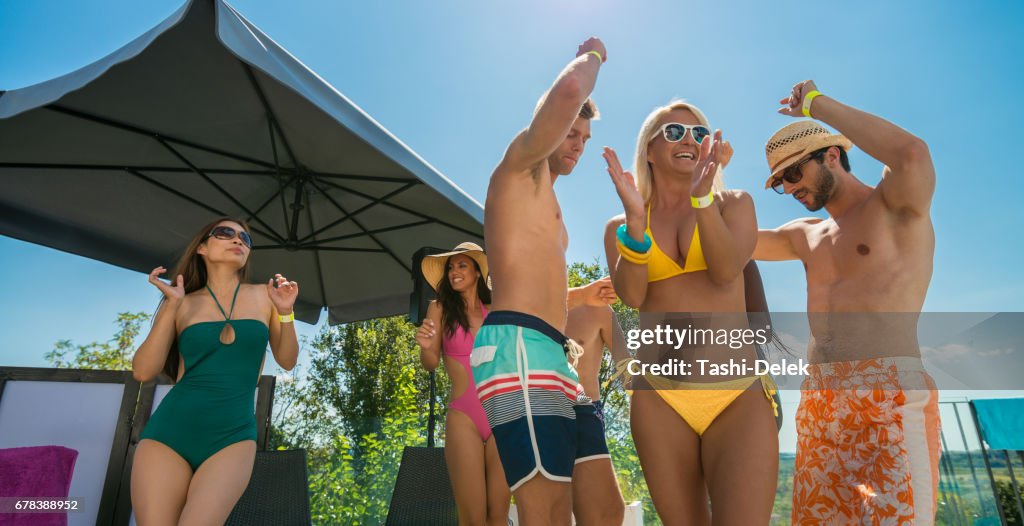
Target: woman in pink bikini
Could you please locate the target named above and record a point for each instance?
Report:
(460, 279)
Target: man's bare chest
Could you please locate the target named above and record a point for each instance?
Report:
(837, 250)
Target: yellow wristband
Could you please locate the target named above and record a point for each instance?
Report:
(703, 202)
(807, 102)
(630, 253)
(632, 256)
(600, 59)
(286, 318)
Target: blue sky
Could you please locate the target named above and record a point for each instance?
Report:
(456, 80)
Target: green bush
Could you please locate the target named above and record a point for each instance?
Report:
(347, 487)
(1007, 501)
(362, 400)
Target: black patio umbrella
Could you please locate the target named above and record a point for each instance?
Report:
(204, 115)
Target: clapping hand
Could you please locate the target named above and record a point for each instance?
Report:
(712, 156)
(625, 185)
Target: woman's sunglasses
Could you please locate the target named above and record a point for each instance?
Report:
(227, 233)
(793, 175)
(675, 132)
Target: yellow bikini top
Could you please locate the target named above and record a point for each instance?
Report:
(660, 266)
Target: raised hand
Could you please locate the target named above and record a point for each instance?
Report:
(599, 293)
(284, 294)
(711, 157)
(625, 185)
(172, 292)
(793, 105)
(425, 334)
(593, 44)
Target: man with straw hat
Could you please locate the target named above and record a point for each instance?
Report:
(529, 392)
(867, 426)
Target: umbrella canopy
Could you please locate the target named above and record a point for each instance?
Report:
(204, 115)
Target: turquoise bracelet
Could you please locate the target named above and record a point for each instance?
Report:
(632, 244)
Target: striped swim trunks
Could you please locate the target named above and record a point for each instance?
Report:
(529, 394)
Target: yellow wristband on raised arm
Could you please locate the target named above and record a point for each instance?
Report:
(807, 102)
(286, 318)
(600, 59)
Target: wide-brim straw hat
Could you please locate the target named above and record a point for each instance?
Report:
(433, 266)
(794, 141)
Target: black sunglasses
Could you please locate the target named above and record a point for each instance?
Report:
(793, 175)
(227, 233)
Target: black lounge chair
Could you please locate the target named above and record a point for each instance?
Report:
(423, 491)
(278, 492)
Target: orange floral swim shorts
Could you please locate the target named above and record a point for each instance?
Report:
(867, 444)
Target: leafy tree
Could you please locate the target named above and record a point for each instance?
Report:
(351, 478)
(354, 380)
(114, 354)
(362, 399)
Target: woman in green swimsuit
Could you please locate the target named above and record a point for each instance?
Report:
(210, 335)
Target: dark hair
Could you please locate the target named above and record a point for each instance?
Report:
(192, 268)
(844, 160)
(453, 307)
(589, 110)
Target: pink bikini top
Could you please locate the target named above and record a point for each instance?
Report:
(460, 343)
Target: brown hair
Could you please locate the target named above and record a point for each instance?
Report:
(192, 269)
(589, 110)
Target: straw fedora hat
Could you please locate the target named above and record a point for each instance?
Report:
(794, 141)
(433, 266)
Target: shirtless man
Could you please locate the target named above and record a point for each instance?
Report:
(867, 455)
(594, 328)
(521, 341)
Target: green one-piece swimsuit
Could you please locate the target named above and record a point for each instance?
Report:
(213, 405)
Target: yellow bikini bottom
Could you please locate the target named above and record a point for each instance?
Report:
(700, 403)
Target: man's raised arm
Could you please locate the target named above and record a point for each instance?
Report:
(558, 108)
(908, 180)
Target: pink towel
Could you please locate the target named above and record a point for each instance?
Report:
(37, 472)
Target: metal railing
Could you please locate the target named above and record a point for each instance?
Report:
(971, 474)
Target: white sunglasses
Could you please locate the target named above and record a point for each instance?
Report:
(675, 132)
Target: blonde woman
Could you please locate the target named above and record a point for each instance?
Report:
(681, 247)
